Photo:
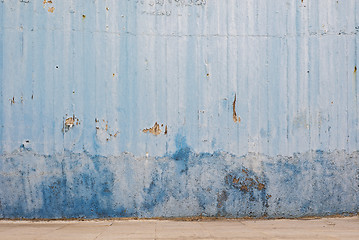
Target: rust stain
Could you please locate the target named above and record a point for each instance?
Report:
(83, 16)
(155, 130)
(70, 122)
(235, 117)
(166, 130)
(12, 100)
(235, 180)
(51, 9)
(244, 182)
(244, 188)
(260, 186)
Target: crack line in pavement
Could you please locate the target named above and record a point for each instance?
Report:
(103, 231)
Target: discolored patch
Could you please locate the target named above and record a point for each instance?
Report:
(245, 181)
(221, 198)
(104, 131)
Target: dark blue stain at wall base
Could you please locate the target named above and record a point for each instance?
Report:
(79, 185)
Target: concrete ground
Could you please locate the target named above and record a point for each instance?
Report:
(325, 228)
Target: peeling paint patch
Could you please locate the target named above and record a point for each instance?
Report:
(69, 123)
(50, 9)
(235, 118)
(155, 130)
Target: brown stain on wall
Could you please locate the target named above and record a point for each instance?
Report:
(354, 82)
(235, 117)
(245, 184)
(50, 9)
(70, 122)
(155, 130)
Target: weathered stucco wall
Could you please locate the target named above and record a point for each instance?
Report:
(178, 108)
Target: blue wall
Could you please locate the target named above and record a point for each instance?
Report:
(178, 108)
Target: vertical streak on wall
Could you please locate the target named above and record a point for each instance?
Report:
(182, 69)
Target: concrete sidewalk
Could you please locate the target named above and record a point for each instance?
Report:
(325, 228)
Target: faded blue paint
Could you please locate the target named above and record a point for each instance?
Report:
(119, 67)
(73, 185)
